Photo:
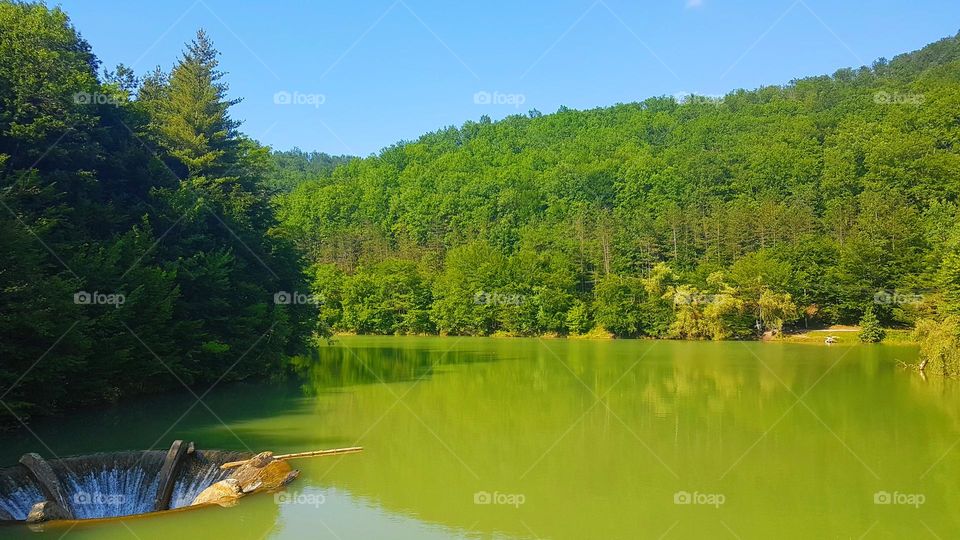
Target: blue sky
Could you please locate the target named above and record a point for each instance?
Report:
(362, 75)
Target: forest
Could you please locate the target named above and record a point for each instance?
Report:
(139, 244)
(147, 243)
(830, 200)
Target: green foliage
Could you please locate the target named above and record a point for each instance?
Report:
(618, 303)
(579, 320)
(148, 195)
(870, 329)
(390, 297)
(809, 197)
(291, 168)
(776, 309)
(939, 345)
(703, 220)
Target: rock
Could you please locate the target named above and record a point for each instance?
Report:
(46, 511)
(225, 493)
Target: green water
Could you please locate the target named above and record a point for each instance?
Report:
(570, 439)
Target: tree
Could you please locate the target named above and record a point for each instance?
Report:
(578, 319)
(618, 306)
(870, 329)
(232, 265)
(134, 224)
(390, 297)
(939, 345)
(759, 277)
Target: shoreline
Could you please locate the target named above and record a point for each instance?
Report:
(845, 335)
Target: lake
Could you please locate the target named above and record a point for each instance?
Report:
(562, 439)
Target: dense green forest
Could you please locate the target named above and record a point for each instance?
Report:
(147, 243)
(138, 242)
(819, 202)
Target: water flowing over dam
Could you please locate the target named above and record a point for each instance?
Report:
(112, 484)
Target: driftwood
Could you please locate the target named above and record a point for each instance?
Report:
(282, 457)
(262, 472)
(225, 493)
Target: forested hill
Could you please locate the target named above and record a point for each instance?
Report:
(810, 203)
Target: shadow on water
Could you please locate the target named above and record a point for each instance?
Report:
(247, 417)
(346, 362)
(229, 417)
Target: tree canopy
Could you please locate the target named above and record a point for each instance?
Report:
(139, 244)
(781, 206)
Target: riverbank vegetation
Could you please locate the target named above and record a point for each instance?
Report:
(138, 245)
(826, 201)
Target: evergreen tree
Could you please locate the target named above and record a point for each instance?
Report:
(155, 202)
(870, 329)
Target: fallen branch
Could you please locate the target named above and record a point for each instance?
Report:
(314, 453)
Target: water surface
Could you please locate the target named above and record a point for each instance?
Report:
(528, 438)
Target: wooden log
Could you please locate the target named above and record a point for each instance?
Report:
(282, 457)
(168, 474)
(225, 493)
(50, 485)
(262, 472)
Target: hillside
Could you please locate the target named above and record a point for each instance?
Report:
(790, 205)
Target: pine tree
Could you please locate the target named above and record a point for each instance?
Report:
(194, 116)
(870, 329)
(231, 266)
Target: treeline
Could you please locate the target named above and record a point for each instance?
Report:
(290, 168)
(138, 243)
(823, 201)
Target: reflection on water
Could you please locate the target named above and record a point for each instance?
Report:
(523, 438)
